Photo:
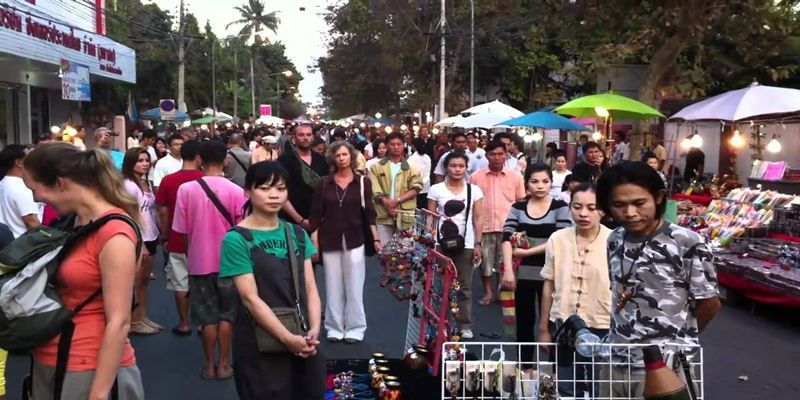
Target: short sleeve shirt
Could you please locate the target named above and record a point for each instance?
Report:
(441, 194)
(235, 257)
(666, 273)
(167, 196)
(164, 167)
(16, 201)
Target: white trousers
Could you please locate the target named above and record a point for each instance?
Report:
(345, 272)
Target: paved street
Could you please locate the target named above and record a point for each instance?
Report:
(762, 346)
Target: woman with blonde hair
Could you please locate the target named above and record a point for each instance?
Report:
(338, 231)
(86, 184)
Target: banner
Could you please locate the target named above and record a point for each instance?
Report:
(75, 84)
(265, 109)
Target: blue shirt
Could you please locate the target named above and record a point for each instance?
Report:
(116, 158)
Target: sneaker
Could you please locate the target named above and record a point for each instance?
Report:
(152, 324)
(140, 328)
(466, 334)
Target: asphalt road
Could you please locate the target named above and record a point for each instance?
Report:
(760, 343)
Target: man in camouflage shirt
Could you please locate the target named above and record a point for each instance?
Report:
(663, 282)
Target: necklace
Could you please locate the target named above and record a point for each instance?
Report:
(586, 248)
(344, 193)
(625, 293)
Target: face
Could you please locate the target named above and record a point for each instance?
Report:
(142, 164)
(456, 168)
(584, 210)
(382, 150)
(633, 207)
(561, 163)
(582, 140)
(342, 158)
(594, 156)
(506, 142)
(319, 149)
(442, 137)
(175, 147)
(472, 143)
(497, 158)
(103, 140)
(460, 143)
(395, 147)
(653, 163)
(54, 196)
(268, 198)
(161, 147)
(538, 184)
(423, 132)
(303, 137)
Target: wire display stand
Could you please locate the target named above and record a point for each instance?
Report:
(493, 370)
(416, 271)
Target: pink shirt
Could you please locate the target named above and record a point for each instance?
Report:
(203, 224)
(500, 191)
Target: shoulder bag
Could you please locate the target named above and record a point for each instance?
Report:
(450, 241)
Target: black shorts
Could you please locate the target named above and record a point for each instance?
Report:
(151, 247)
(211, 299)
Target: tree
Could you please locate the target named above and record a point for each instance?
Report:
(254, 19)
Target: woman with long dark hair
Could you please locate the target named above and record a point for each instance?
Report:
(255, 254)
(86, 184)
(135, 169)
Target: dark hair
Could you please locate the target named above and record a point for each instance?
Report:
(317, 141)
(213, 152)
(419, 144)
(634, 173)
(173, 138)
(551, 145)
(130, 160)
(590, 145)
(494, 144)
(455, 135)
(149, 134)
(263, 173)
(518, 142)
(453, 155)
(537, 167)
(559, 153)
(189, 149)
(9, 156)
(501, 135)
(395, 136)
(582, 187)
(339, 133)
(569, 179)
(648, 155)
(375, 144)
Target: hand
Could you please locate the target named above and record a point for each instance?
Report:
(378, 246)
(391, 203)
(509, 281)
(545, 337)
(392, 212)
(298, 346)
(304, 223)
(520, 253)
(477, 254)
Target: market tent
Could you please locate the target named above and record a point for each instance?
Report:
(748, 103)
(204, 120)
(270, 120)
(485, 121)
(617, 107)
(545, 120)
(494, 107)
(357, 117)
(449, 121)
(154, 114)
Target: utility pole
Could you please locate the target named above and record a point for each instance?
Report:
(472, 54)
(443, 25)
(252, 85)
(235, 84)
(278, 102)
(213, 78)
(181, 59)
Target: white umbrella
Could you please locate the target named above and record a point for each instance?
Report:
(449, 121)
(485, 121)
(743, 104)
(495, 107)
(270, 120)
(221, 116)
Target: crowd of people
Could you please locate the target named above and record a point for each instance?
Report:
(245, 215)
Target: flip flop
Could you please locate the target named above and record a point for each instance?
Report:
(485, 301)
(205, 375)
(177, 331)
(227, 375)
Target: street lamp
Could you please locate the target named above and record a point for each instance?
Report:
(287, 73)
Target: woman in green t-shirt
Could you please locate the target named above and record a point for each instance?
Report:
(255, 256)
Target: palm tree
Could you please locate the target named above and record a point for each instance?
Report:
(254, 21)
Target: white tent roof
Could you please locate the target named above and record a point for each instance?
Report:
(449, 121)
(485, 121)
(742, 104)
(495, 107)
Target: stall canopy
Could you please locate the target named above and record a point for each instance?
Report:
(485, 121)
(449, 121)
(617, 107)
(753, 102)
(496, 108)
(154, 114)
(545, 120)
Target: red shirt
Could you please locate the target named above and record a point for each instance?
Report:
(167, 196)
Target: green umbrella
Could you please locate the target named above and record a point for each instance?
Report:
(204, 120)
(618, 107)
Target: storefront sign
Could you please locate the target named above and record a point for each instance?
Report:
(25, 34)
(75, 84)
(167, 107)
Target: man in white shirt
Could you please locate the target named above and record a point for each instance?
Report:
(621, 148)
(18, 210)
(171, 163)
(459, 143)
(147, 142)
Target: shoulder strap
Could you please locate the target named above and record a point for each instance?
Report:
(363, 203)
(246, 234)
(214, 199)
(294, 270)
(469, 206)
(238, 161)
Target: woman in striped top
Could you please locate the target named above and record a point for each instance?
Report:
(538, 216)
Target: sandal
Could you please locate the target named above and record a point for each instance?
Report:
(227, 375)
(179, 332)
(486, 301)
(152, 324)
(206, 375)
(141, 328)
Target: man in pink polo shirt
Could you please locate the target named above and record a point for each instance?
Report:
(501, 187)
(204, 211)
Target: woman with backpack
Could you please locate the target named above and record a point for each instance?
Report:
(86, 184)
(462, 204)
(135, 168)
(275, 335)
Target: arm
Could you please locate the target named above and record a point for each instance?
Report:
(431, 208)
(705, 311)
(117, 269)
(477, 229)
(369, 207)
(544, 318)
(315, 215)
(163, 221)
(314, 306)
(288, 208)
(31, 220)
(510, 226)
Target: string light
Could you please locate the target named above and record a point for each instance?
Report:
(435, 131)
(416, 128)
(362, 125)
(403, 127)
(377, 124)
(686, 144)
(205, 127)
(378, 115)
(537, 136)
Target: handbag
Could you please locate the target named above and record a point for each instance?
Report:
(291, 318)
(450, 240)
(369, 239)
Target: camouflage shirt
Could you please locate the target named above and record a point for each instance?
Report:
(666, 273)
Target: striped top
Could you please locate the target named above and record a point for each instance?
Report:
(538, 231)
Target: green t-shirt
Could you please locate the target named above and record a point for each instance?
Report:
(235, 257)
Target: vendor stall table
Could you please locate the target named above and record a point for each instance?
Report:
(783, 186)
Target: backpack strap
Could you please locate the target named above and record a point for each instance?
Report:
(238, 161)
(215, 200)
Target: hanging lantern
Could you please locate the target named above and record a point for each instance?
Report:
(596, 136)
(736, 141)
(697, 141)
(774, 146)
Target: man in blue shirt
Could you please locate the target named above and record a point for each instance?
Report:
(102, 139)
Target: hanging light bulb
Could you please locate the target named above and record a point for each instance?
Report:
(378, 115)
(70, 131)
(55, 129)
(521, 132)
(362, 125)
(356, 131)
(377, 124)
(537, 136)
(686, 143)
(388, 129)
(228, 125)
(529, 138)
(204, 127)
(601, 112)
(416, 128)
(697, 141)
(246, 126)
(774, 146)
(435, 131)
(596, 136)
(736, 141)
(404, 127)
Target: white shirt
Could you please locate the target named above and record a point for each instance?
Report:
(621, 152)
(153, 161)
(394, 169)
(16, 201)
(78, 142)
(423, 162)
(476, 162)
(558, 182)
(513, 164)
(164, 167)
(441, 194)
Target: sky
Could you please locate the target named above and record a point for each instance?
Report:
(302, 32)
